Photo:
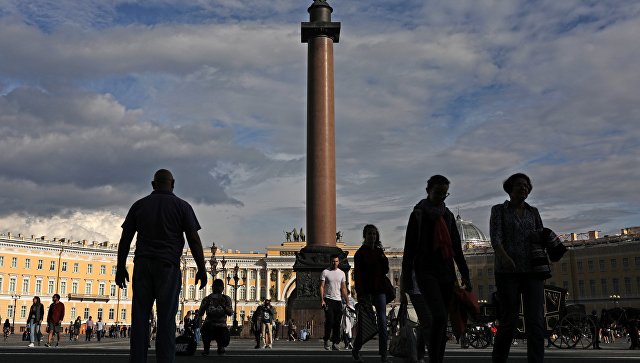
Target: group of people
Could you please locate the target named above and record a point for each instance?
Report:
(432, 247)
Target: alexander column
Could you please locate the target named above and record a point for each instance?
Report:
(319, 33)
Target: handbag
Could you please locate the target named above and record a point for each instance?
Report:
(404, 344)
(367, 326)
(389, 290)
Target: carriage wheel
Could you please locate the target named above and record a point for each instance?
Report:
(573, 330)
(477, 337)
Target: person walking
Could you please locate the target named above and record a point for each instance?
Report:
(36, 314)
(99, 328)
(513, 227)
(161, 221)
(89, 329)
(370, 269)
(432, 245)
(54, 320)
(256, 325)
(266, 329)
(76, 328)
(333, 286)
(218, 307)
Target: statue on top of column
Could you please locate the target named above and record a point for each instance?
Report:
(302, 236)
(296, 236)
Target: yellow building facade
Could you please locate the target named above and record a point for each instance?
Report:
(83, 273)
(598, 272)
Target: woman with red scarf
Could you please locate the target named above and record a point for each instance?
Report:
(432, 245)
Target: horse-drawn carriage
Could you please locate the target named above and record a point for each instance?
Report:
(568, 326)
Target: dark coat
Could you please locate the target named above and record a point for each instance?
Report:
(419, 251)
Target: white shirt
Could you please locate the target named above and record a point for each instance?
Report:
(333, 280)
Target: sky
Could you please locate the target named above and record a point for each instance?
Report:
(96, 95)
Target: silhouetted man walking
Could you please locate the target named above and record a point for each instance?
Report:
(161, 220)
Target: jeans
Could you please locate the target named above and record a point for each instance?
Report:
(510, 286)
(34, 328)
(379, 302)
(332, 319)
(160, 282)
(434, 314)
(217, 333)
(266, 334)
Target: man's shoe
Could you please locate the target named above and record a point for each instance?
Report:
(31, 345)
(326, 345)
(47, 345)
(334, 346)
(221, 351)
(356, 357)
(257, 346)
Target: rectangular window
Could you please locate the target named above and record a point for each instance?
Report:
(75, 268)
(480, 270)
(38, 286)
(0, 283)
(637, 259)
(124, 292)
(40, 262)
(63, 287)
(25, 286)
(12, 284)
(481, 291)
(103, 270)
(627, 285)
(565, 285)
(27, 263)
(563, 267)
(614, 264)
(616, 285)
(625, 263)
(592, 288)
(50, 287)
(86, 313)
(101, 289)
(603, 286)
(590, 265)
(10, 311)
(111, 314)
(490, 271)
(581, 288)
(73, 313)
(23, 311)
(14, 262)
(601, 263)
(74, 287)
(579, 266)
(113, 270)
(113, 290)
(123, 314)
(2, 261)
(87, 288)
(192, 273)
(52, 266)
(89, 268)
(64, 267)
(99, 313)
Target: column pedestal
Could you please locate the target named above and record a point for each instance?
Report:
(304, 303)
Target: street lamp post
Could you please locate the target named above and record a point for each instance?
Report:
(235, 330)
(15, 310)
(615, 299)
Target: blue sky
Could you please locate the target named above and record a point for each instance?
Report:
(95, 96)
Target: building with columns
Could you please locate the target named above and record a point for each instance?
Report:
(600, 272)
